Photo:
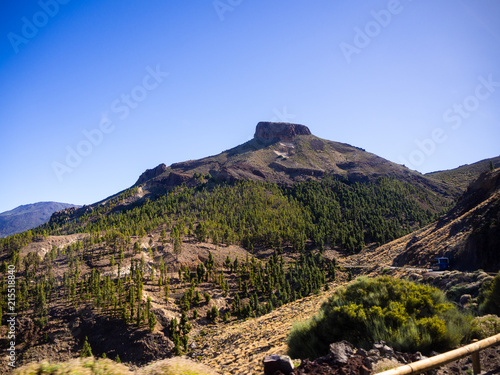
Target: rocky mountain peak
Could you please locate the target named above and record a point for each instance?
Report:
(282, 131)
(151, 173)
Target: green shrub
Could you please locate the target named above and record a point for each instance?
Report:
(86, 350)
(490, 297)
(407, 316)
(485, 326)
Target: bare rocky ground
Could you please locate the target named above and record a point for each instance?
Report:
(43, 245)
(240, 347)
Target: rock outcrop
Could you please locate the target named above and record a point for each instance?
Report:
(281, 363)
(345, 359)
(151, 173)
(282, 131)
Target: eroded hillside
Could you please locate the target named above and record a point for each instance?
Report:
(469, 234)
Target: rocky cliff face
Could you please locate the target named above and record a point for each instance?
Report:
(151, 173)
(282, 131)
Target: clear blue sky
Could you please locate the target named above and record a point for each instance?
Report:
(381, 75)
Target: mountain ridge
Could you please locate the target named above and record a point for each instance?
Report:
(285, 154)
(462, 176)
(28, 216)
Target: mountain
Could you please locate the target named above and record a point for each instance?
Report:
(285, 154)
(468, 234)
(28, 216)
(328, 192)
(464, 175)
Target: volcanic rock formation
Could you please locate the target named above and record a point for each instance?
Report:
(282, 131)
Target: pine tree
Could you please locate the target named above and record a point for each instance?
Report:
(176, 240)
(137, 249)
(210, 262)
(227, 262)
(200, 271)
(86, 349)
(213, 314)
(207, 297)
(138, 318)
(197, 298)
(151, 321)
(236, 304)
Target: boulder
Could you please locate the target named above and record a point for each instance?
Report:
(275, 362)
(384, 349)
(341, 352)
(465, 299)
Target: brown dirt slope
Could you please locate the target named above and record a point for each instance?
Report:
(241, 346)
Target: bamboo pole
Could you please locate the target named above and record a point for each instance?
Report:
(442, 359)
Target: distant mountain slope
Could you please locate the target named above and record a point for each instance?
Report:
(28, 216)
(285, 154)
(469, 234)
(463, 176)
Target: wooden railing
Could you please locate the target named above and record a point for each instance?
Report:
(442, 359)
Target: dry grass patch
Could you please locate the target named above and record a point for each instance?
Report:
(93, 366)
(385, 364)
(80, 366)
(176, 366)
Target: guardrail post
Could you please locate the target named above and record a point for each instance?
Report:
(476, 362)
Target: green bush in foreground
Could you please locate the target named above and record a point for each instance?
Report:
(485, 326)
(490, 297)
(407, 316)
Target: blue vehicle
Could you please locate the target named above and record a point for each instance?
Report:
(443, 264)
